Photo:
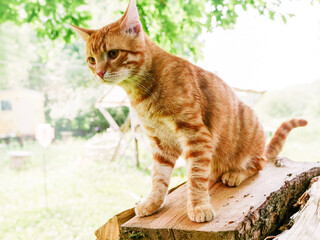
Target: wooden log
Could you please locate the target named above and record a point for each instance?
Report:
(253, 210)
(306, 222)
(111, 229)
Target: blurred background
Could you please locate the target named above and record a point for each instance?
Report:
(98, 164)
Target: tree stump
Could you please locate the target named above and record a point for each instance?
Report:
(253, 210)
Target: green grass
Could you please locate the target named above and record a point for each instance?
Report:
(82, 193)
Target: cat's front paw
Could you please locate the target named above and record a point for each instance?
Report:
(201, 213)
(147, 207)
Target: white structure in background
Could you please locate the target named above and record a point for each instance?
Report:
(114, 142)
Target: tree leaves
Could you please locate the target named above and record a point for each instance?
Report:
(173, 24)
(50, 18)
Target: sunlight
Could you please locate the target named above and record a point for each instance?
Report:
(265, 54)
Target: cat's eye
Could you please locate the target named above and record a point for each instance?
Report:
(91, 60)
(113, 54)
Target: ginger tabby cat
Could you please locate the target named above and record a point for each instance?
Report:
(184, 110)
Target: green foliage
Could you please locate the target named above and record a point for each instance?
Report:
(173, 24)
(176, 24)
(49, 17)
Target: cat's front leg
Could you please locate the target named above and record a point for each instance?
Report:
(163, 165)
(199, 207)
(198, 147)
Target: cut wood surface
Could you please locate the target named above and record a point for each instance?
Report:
(252, 210)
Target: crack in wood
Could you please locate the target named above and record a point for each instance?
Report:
(172, 233)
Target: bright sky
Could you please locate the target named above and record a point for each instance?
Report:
(262, 54)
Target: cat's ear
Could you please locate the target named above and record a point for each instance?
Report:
(82, 32)
(130, 21)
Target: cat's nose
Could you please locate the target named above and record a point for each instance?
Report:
(101, 74)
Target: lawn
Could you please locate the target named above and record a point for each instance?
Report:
(84, 193)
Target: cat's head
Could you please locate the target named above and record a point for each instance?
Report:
(115, 52)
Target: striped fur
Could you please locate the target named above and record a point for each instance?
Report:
(184, 110)
(276, 143)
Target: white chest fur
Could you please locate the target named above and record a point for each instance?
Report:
(157, 126)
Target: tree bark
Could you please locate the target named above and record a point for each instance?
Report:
(306, 222)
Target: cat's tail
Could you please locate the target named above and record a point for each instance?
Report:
(276, 143)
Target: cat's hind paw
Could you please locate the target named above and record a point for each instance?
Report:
(147, 208)
(201, 213)
(233, 179)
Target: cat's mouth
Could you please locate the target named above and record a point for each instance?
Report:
(114, 78)
(111, 78)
